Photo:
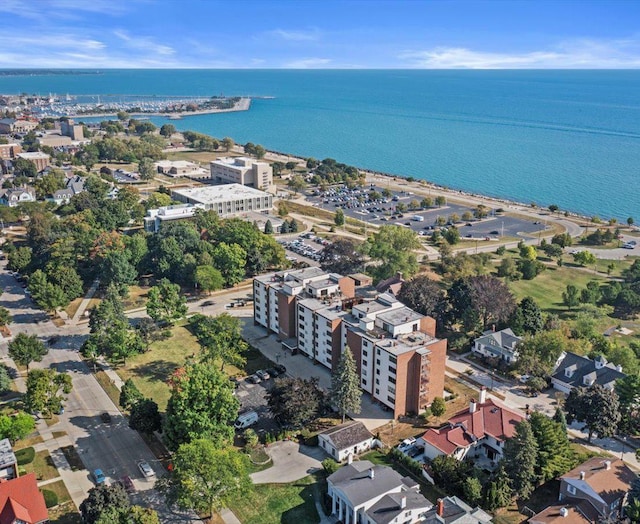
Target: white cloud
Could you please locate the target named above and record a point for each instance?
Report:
(143, 43)
(296, 35)
(570, 54)
(307, 63)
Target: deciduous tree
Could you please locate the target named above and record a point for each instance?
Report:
(103, 498)
(165, 303)
(392, 247)
(342, 256)
(145, 416)
(45, 390)
(424, 296)
(295, 401)
(597, 407)
(129, 394)
(25, 349)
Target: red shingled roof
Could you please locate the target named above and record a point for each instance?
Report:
(490, 419)
(21, 499)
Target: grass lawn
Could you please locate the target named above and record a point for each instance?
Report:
(27, 442)
(42, 466)
(137, 297)
(60, 489)
(278, 503)
(151, 370)
(108, 386)
(379, 458)
(546, 289)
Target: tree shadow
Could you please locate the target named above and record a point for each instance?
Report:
(157, 370)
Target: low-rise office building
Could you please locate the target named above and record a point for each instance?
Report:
(242, 170)
(156, 217)
(227, 200)
(41, 160)
(176, 168)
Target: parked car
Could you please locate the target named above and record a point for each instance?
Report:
(273, 372)
(254, 379)
(407, 443)
(264, 375)
(280, 368)
(127, 484)
(246, 419)
(106, 417)
(98, 476)
(145, 469)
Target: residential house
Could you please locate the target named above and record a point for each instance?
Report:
(478, 433)
(452, 510)
(61, 196)
(21, 502)
(391, 285)
(75, 183)
(498, 344)
(592, 492)
(17, 195)
(602, 482)
(8, 461)
(578, 371)
(363, 493)
(344, 440)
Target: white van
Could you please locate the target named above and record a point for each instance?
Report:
(246, 419)
(418, 218)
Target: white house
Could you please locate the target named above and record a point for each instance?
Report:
(13, 197)
(498, 344)
(362, 493)
(350, 438)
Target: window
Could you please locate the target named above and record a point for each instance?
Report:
(391, 399)
(364, 382)
(377, 391)
(377, 371)
(392, 380)
(378, 351)
(571, 489)
(415, 327)
(365, 363)
(392, 370)
(392, 359)
(377, 382)
(365, 353)
(378, 361)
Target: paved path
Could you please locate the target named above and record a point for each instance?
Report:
(291, 462)
(85, 303)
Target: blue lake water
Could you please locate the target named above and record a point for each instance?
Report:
(570, 138)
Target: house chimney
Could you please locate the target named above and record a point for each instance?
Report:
(483, 395)
(472, 405)
(440, 507)
(403, 502)
(349, 458)
(399, 275)
(582, 475)
(371, 474)
(607, 465)
(493, 328)
(564, 512)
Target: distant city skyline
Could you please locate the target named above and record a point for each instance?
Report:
(320, 34)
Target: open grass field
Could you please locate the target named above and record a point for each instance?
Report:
(546, 289)
(292, 503)
(42, 466)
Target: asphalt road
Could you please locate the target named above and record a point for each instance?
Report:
(113, 447)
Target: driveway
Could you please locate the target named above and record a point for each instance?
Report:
(291, 462)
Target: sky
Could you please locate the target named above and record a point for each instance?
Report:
(322, 34)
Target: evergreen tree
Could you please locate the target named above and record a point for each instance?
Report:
(472, 490)
(499, 491)
(521, 458)
(555, 456)
(268, 228)
(345, 385)
(129, 394)
(559, 417)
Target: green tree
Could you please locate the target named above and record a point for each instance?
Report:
(208, 278)
(19, 259)
(129, 394)
(227, 143)
(520, 460)
(146, 169)
(295, 401)
(165, 304)
(5, 316)
(441, 201)
(555, 455)
(101, 499)
(585, 258)
(25, 349)
(438, 407)
(296, 183)
(339, 217)
(205, 479)
(5, 379)
(630, 221)
(423, 295)
(597, 407)
(16, 427)
(167, 130)
(452, 235)
(527, 317)
(498, 494)
(115, 268)
(259, 152)
(45, 390)
(230, 260)
(571, 296)
(268, 228)
(202, 405)
(24, 168)
(508, 269)
(345, 385)
(145, 416)
(220, 339)
(46, 295)
(472, 490)
(539, 353)
(392, 247)
(628, 391)
(157, 200)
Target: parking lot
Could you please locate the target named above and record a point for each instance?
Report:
(307, 247)
(356, 203)
(252, 397)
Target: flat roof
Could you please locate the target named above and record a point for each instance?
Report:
(401, 315)
(33, 154)
(175, 163)
(217, 194)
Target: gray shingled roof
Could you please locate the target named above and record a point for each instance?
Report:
(355, 481)
(582, 367)
(502, 339)
(458, 511)
(347, 435)
(388, 507)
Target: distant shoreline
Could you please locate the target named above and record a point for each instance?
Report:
(244, 104)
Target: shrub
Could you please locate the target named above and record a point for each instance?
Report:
(330, 466)
(25, 456)
(50, 498)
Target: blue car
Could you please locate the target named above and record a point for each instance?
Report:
(99, 477)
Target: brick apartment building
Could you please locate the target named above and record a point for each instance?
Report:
(9, 151)
(400, 361)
